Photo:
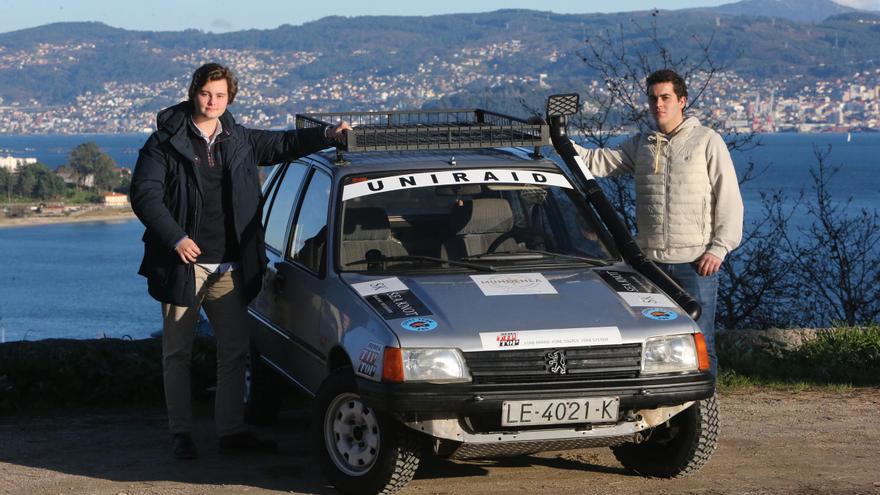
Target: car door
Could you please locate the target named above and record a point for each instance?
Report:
(270, 336)
(300, 281)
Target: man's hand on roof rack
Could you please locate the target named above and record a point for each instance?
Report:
(336, 133)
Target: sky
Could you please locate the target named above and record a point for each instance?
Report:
(233, 15)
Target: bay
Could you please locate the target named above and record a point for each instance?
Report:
(80, 280)
(54, 150)
(74, 281)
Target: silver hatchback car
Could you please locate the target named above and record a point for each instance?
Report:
(439, 287)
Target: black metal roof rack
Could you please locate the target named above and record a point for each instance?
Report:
(430, 130)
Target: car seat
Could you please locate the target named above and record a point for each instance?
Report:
(476, 224)
(367, 229)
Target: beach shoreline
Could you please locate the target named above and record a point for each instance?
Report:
(97, 215)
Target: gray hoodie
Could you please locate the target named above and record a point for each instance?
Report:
(687, 195)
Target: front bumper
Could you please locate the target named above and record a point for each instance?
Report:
(466, 399)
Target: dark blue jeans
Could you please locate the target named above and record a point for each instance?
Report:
(705, 291)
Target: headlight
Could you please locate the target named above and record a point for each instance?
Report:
(425, 365)
(670, 354)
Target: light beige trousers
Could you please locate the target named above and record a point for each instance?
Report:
(220, 294)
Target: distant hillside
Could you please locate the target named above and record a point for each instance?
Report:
(54, 64)
(794, 10)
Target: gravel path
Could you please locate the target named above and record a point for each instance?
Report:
(808, 442)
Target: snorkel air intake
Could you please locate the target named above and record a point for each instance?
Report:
(558, 108)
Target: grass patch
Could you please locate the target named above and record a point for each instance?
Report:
(838, 357)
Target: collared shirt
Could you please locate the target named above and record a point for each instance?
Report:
(210, 140)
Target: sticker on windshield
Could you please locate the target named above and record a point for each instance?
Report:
(458, 177)
(419, 324)
(659, 314)
(539, 339)
(513, 284)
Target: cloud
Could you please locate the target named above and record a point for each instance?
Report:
(860, 4)
(224, 25)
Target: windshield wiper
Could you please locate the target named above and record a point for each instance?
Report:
(419, 257)
(530, 254)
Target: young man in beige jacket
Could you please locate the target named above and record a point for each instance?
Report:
(689, 212)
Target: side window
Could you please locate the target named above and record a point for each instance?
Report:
(310, 237)
(282, 204)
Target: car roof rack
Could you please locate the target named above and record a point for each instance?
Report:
(429, 130)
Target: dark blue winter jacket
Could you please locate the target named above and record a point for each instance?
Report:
(167, 198)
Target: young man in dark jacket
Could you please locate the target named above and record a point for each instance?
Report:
(196, 188)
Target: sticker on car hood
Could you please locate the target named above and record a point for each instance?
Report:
(513, 284)
(634, 290)
(539, 339)
(391, 298)
(472, 176)
(379, 286)
(659, 314)
(418, 324)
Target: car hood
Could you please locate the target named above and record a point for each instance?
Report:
(527, 309)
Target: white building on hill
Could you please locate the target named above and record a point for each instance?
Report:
(11, 163)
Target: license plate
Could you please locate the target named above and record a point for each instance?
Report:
(559, 411)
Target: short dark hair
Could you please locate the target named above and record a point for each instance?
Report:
(667, 75)
(213, 72)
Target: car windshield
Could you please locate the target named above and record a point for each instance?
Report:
(491, 218)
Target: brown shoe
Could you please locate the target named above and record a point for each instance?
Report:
(246, 440)
(184, 447)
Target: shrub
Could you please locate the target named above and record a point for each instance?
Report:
(842, 355)
(61, 374)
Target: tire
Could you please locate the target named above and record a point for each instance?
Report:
(263, 389)
(677, 448)
(361, 450)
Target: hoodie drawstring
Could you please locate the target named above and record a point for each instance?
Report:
(657, 151)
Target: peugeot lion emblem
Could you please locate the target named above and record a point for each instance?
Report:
(555, 362)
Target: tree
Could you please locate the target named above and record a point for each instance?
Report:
(837, 257)
(48, 184)
(88, 159)
(27, 179)
(6, 183)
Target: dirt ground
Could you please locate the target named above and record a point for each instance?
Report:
(813, 442)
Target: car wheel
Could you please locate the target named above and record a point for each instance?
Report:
(679, 447)
(362, 450)
(263, 389)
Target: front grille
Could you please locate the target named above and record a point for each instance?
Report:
(531, 365)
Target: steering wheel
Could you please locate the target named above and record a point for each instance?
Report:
(516, 232)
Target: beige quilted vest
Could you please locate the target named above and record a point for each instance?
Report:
(674, 209)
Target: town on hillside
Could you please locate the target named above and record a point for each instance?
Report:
(794, 103)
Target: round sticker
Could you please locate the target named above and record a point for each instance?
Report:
(659, 314)
(418, 324)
